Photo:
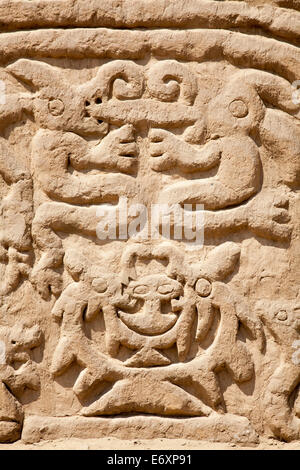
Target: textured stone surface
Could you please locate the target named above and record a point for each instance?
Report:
(161, 102)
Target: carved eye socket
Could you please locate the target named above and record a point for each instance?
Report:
(56, 107)
(282, 315)
(141, 290)
(100, 285)
(203, 287)
(238, 108)
(165, 289)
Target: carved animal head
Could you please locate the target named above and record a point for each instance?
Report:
(95, 276)
(18, 341)
(218, 264)
(281, 318)
(241, 105)
(60, 105)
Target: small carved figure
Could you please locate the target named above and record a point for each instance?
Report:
(16, 344)
(282, 320)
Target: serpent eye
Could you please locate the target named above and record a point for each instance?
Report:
(56, 107)
(165, 289)
(100, 285)
(281, 315)
(238, 108)
(203, 287)
(141, 290)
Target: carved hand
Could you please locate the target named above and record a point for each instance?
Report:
(168, 151)
(268, 216)
(118, 150)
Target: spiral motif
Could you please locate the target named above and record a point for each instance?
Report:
(121, 79)
(171, 81)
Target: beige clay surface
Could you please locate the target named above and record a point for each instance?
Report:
(122, 327)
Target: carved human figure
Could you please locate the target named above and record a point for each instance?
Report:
(59, 163)
(91, 292)
(282, 320)
(68, 169)
(227, 143)
(233, 120)
(204, 294)
(80, 301)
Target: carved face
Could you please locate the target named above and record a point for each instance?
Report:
(19, 341)
(236, 109)
(153, 290)
(155, 287)
(69, 110)
(281, 317)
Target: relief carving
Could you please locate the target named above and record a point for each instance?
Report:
(147, 316)
(282, 320)
(16, 344)
(162, 112)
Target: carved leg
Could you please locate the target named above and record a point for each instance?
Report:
(16, 216)
(213, 194)
(49, 218)
(17, 265)
(74, 345)
(204, 381)
(266, 215)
